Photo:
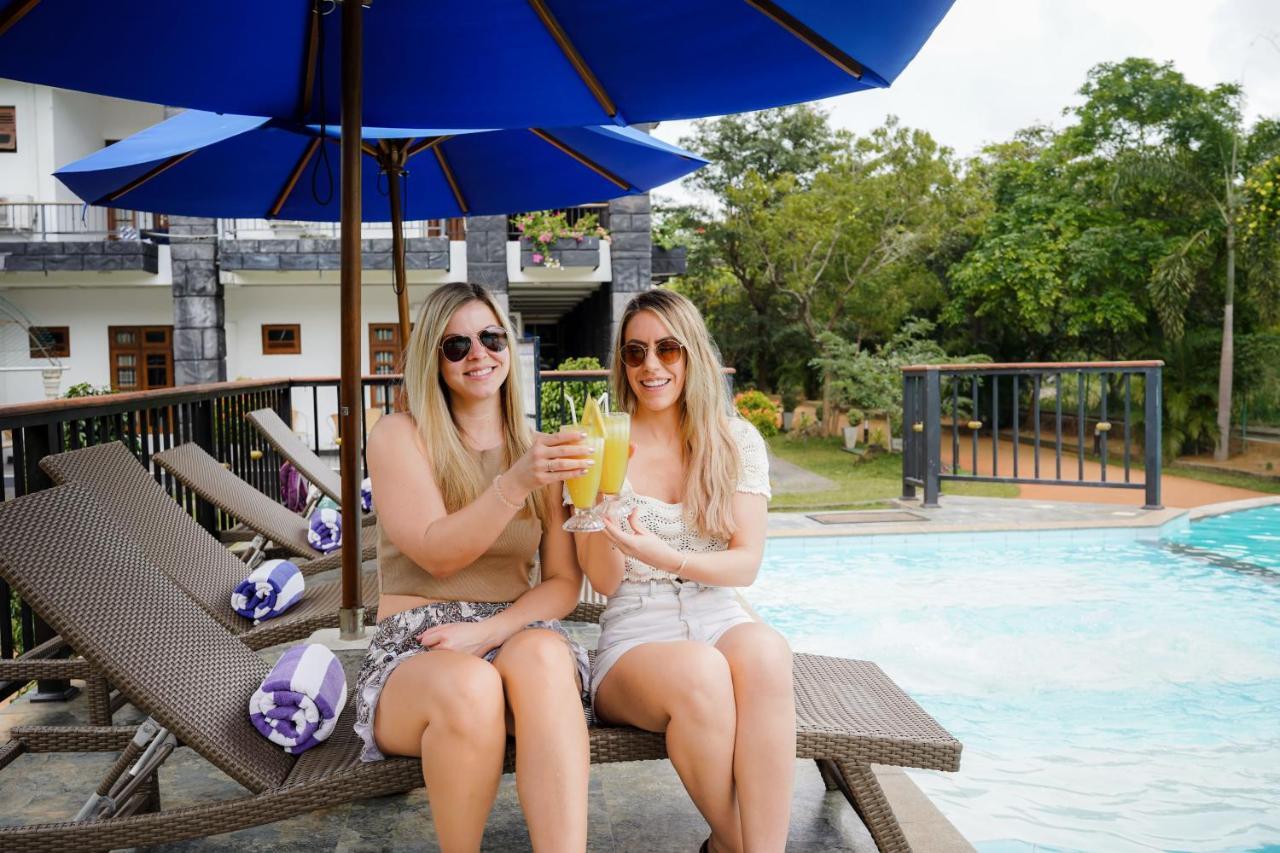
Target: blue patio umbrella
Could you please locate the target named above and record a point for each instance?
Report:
(459, 63)
(206, 164)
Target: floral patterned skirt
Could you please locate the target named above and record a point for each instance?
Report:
(396, 640)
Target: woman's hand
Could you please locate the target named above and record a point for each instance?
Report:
(472, 638)
(642, 543)
(551, 459)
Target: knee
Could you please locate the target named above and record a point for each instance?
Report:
(702, 687)
(471, 705)
(536, 655)
(760, 658)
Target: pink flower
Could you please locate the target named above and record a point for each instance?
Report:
(520, 226)
(545, 237)
(537, 257)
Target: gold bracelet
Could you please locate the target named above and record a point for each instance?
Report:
(497, 490)
(680, 569)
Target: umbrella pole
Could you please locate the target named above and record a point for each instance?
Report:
(351, 396)
(400, 282)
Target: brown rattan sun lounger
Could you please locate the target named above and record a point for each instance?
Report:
(188, 553)
(203, 474)
(58, 549)
(311, 466)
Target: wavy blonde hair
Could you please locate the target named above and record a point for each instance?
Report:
(428, 398)
(711, 455)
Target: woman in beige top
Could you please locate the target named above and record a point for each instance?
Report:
(678, 653)
(465, 648)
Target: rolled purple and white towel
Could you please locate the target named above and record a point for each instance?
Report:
(298, 704)
(324, 530)
(269, 590)
(366, 494)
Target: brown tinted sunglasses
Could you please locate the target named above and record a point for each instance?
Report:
(668, 350)
(456, 347)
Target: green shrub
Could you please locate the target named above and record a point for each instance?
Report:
(556, 395)
(759, 410)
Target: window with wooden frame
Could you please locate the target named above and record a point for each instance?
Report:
(141, 357)
(49, 341)
(384, 358)
(281, 339)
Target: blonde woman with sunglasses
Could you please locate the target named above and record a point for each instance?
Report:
(466, 650)
(678, 653)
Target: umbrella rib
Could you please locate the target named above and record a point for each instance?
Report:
(448, 176)
(142, 179)
(15, 13)
(575, 58)
(293, 177)
(793, 25)
(581, 158)
(309, 63)
(425, 144)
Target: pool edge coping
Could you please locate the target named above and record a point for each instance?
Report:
(1210, 510)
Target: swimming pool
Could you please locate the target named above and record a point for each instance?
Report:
(1113, 692)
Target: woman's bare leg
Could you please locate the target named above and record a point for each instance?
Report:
(684, 689)
(552, 754)
(447, 708)
(764, 759)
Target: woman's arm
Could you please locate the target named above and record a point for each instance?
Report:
(412, 511)
(601, 560)
(737, 565)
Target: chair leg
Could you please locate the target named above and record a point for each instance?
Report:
(99, 693)
(860, 788)
(827, 768)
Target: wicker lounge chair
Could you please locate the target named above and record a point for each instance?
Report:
(203, 474)
(60, 551)
(287, 444)
(188, 553)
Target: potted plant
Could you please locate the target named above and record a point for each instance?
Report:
(790, 399)
(546, 234)
(851, 431)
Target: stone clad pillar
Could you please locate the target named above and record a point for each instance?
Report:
(199, 335)
(487, 255)
(631, 249)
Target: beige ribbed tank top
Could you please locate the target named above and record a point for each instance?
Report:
(500, 574)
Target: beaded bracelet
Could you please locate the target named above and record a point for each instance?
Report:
(497, 490)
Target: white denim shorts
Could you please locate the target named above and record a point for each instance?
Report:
(662, 612)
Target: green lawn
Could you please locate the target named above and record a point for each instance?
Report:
(1240, 480)
(863, 483)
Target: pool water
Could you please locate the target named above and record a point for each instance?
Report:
(1111, 692)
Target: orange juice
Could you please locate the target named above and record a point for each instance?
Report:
(617, 441)
(583, 489)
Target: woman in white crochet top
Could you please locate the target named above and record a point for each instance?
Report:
(678, 653)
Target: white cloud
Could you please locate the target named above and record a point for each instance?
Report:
(994, 66)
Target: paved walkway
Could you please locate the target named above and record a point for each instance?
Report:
(787, 477)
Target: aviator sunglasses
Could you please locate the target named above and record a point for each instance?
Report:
(668, 351)
(456, 347)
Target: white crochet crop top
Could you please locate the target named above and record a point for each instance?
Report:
(668, 521)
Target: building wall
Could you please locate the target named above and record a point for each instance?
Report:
(87, 311)
(26, 172)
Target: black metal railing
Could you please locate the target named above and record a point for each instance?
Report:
(555, 388)
(572, 215)
(1071, 409)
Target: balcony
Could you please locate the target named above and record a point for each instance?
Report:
(67, 237)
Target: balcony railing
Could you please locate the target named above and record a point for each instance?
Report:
(47, 221)
(571, 216)
(1085, 409)
(285, 229)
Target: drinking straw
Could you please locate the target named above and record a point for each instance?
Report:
(573, 410)
(604, 401)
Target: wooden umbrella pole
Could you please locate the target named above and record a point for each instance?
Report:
(351, 615)
(394, 168)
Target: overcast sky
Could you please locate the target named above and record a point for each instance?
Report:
(994, 66)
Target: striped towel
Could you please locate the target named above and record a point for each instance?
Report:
(324, 530)
(298, 705)
(268, 591)
(366, 494)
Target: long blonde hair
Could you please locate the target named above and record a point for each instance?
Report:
(711, 455)
(456, 472)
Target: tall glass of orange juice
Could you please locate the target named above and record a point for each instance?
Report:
(617, 448)
(583, 488)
